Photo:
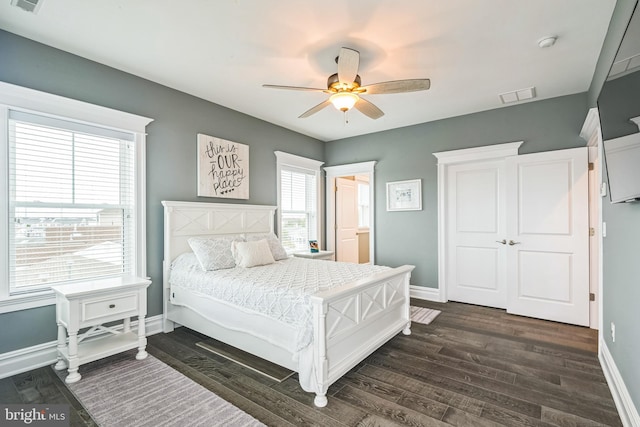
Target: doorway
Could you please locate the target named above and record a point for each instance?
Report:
(350, 213)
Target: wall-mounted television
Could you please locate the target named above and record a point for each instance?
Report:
(619, 110)
(622, 157)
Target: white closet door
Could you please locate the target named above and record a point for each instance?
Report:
(476, 224)
(547, 230)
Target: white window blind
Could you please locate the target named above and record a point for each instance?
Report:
(71, 202)
(299, 208)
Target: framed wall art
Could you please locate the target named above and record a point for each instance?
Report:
(223, 168)
(404, 195)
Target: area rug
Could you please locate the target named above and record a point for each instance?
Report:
(130, 392)
(423, 315)
(256, 364)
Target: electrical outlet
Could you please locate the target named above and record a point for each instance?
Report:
(613, 332)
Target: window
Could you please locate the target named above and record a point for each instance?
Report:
(298, 201)
(363, 204)
(73, 209)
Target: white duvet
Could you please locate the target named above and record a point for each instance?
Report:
(280, 291)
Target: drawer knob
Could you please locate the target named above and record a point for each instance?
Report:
(112, 306)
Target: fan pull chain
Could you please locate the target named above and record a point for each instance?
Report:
(346, 118)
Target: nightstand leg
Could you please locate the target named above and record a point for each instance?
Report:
(74, 362)
(126, 325)
(62, 344)
(142, 340)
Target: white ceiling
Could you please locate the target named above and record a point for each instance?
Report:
(224, 50)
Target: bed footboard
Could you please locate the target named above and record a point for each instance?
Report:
(352, 321)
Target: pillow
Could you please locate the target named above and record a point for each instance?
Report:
(214, 253)
(277, 250)
(251, 254)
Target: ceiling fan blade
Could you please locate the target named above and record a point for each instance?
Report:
(368, 109)
(309, 89)
(397, 86)
(348, 63)
(315, 109)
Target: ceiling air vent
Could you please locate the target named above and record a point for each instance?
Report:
(518, 95)
(31, 6)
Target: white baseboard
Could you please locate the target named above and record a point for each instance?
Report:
(422, 292)
(626, 409)
(26, 359)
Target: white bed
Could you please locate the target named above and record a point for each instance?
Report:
(347, 322)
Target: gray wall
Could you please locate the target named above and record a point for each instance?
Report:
(171, 149)
(406, 153)
(619, 101)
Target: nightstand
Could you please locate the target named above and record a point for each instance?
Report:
(325, 255)
(91, 304)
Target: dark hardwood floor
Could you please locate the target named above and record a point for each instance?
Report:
(473, 366)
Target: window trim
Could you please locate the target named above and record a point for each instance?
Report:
(291, 160)
(32, 101)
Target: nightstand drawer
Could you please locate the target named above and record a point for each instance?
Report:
(109, 306)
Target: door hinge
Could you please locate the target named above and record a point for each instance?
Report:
(592, 296)
(591, 166)
(335, 189)
(592, 231)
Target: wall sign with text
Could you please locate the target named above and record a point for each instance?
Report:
(223, 168)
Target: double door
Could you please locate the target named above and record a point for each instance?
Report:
(518, 234)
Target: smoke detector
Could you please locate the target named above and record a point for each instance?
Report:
(31, 6)
(547, 42)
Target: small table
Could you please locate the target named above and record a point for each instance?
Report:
(326, 255)
(91, 304)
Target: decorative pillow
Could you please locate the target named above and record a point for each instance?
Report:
(251, 254)
(214, 253)
(277, 250)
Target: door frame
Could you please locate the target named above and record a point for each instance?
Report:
(332, 172)
(446, 159)
(592, 134)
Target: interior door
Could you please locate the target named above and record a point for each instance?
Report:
(476, 232)
(548, 235)
(346, 220)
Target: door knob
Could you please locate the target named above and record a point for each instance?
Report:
(511, 243)
(503, 241)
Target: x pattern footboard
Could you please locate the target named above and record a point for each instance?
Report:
(347, 313)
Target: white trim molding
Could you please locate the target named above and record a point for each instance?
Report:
(37, 356)
(475, 154)
(626, 408)
(425, 293)
(590, 126)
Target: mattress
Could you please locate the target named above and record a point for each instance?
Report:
(279, 291)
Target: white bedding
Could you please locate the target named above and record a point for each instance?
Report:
(280, 291)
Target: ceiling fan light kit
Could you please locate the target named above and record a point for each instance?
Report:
(346, 90)
(344, 101)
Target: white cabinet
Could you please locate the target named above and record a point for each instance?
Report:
(92, 304)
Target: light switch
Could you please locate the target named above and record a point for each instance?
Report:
(604, 229)
(603, 189)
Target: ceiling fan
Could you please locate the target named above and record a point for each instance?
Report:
(346, 90)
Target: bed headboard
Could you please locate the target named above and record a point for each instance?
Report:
(187, 219)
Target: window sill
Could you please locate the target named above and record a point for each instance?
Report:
(24, 302)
